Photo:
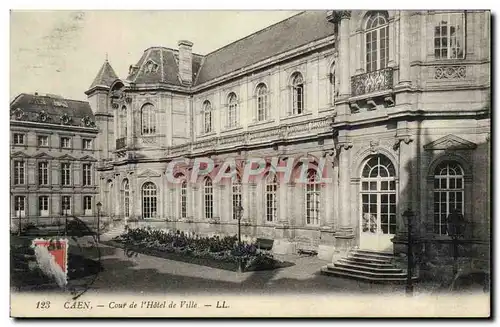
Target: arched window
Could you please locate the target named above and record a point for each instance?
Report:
(377, 42)
(271, 193)
(448, 193)
(148, 114)
(312, 198)
(232, 110)
(236, 196)
(126, 198)
(183, 199)
(207, 117)
(378, 196)
(149, 200)
(123, 122)
(262, 102)
(297, 94)
(208, 197)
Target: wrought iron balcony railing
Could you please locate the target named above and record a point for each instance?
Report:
(370, 82)
(121, 143)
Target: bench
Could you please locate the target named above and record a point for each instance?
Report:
(264, 244)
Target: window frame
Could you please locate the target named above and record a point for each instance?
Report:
(312, 191)
(236, 196)
(298, 93)
(43, 173)
(15, 139)
(232, 110)
(62, 142)
(374, 33)
(271, 198)
(41, 205)
(18, 211)
(41, 144)
(84, 147)
(207, 112)
(87, 205)
(149, 190)
(19, 175)
(262, 102)
(183, 201)
(148, 120)
(63, 209)
(436, 24)
(87, 175)
(208, 198)
(66, 173)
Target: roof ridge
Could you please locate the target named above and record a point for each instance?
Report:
(256, 32)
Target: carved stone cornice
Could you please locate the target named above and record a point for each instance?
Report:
(334, 16)
(343, 145)
(344, 14)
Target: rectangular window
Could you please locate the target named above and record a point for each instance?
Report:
(312, 204)
(87, 205)
(183, 200)
(43, 173)
(66, 204)
(43, 205)
(271, 203)
(65, 142)
(18, 139)
(87, 174)
(449, 36)
(87, 144)
(19, 172)
(43, 140)
(20, 205)
(65, 174)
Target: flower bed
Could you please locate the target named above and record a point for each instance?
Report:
(216, 252)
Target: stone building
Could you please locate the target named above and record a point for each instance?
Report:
(395, 102)
(53, 154)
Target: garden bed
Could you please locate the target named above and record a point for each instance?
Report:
(221, 253)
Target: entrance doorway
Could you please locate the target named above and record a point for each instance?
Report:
(378, 204)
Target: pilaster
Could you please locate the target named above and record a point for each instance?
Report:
(404, 49)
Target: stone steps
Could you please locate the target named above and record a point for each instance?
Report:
(366, 265)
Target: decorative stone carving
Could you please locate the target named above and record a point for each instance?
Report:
(87, 122)
(378, 80)
(407, 139)
(371, 104)
(373, 145)
(389, 101)
(344, 145)
(151, 66)
(354, 107)
(450, 142)
(65, 119)
(18, 113)
(450, 72)
(344, 14)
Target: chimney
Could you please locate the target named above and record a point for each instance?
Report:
(186, 62)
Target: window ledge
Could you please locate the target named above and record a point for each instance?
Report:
(234, 128)
(261, 122)
(205, 135)
(291, 116)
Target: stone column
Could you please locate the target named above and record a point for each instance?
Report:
(130, 123)
(345, 229)
(404, 48)
(345, 16)
(359, 53)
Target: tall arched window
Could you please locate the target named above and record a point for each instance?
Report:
(271, 193)
(149, 200)
(262, 102)
(297, 94)
(208, 197)
(123, 122)
(448, 193)
(313, 192)
(148, 114)
(236, 196)
(232, 110)
(183, 199)
(207, 117)
(126, 198)
(378, 196)
(377, 42)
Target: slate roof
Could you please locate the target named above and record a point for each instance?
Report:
(33, 107)
(168, 68)
(293, 32)
(105, 76)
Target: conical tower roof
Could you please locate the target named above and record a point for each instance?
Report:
(105, 77)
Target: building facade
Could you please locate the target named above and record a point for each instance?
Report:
(392, 106)
(53, 159)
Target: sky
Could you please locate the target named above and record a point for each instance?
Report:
(60, 52)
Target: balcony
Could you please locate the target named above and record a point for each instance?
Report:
(376, 81)
(121, 143)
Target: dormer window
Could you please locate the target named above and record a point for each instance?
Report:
(151, 67)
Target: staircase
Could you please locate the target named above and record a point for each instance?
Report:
(367, 265)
